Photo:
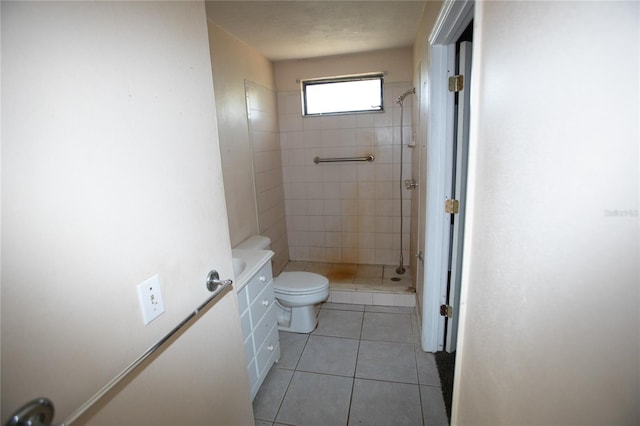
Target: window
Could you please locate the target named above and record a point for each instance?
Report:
(343, 95)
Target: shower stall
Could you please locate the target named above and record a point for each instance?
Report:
(349, 220)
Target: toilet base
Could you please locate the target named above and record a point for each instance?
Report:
(299, 319)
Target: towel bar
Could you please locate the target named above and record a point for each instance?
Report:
(340, 159)
(41, 409)
(220, 290)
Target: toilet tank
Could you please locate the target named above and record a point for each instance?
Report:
(255, 242)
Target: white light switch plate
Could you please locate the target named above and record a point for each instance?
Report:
(150, 298)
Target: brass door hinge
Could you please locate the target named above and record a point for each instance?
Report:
(456, 83)
(451, 206)
(446, 311)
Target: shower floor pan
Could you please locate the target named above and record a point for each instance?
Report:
(363, 284)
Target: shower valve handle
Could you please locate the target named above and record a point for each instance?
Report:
(410, 184)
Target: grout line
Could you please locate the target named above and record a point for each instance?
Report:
(295, 367)
(415, 358)
(355, 370)
(431, 386)
(337, 337)
(353, 383)
(388, 381)
(415, 345)
(328, 374)
(389, 341)
(284, 395)
(421, 404)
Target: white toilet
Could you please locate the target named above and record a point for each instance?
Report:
(296, 292)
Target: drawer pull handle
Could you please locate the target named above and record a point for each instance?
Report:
(265, 302)
(270, 348)
(262, 278)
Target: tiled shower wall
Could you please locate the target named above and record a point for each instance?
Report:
(267, 168)
(346, 212)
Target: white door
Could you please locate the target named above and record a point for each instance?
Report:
(459, 193)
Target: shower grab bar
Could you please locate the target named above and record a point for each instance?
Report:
(340, 159)
(220, 288)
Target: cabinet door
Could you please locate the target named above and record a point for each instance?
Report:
(269, 352)
(259, 281)
(249, 350)
(253, 377)
(243, 299)
(245, 321)
(263, 328)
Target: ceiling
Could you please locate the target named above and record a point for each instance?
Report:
(283, 30)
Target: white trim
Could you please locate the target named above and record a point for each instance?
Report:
(452, 21)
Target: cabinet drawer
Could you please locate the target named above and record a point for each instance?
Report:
(259, 280)
(248, 349)
(269, 352)
(245, 322)
(263, 328)
(243, 301)
(262, 303)
(253, 374)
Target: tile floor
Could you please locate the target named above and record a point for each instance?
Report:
(362, 365)
(363, 284)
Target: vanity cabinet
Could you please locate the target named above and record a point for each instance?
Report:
(258, 317)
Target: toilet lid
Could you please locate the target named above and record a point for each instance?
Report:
(300, 282)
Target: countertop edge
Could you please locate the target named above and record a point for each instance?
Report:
(255, 260)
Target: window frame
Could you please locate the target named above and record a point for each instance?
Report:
(341, 79)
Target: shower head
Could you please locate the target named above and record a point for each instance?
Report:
(405, 94)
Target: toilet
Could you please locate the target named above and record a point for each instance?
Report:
(296, 293)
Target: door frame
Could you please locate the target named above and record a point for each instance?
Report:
(453, 19)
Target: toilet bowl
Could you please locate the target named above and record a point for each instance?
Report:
(296, 293)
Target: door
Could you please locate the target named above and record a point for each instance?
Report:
(459, 190)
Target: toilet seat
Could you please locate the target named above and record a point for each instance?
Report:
(299, 283)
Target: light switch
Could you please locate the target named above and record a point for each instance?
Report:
(150, 298)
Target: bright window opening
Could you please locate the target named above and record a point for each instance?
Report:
(343, 95)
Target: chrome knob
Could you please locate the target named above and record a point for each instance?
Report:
(214, 281)
(38, 412)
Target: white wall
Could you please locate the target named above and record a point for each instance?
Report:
(110, 174)
(267, 166)
(249, 143)
(232, 62)
(549, 322)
